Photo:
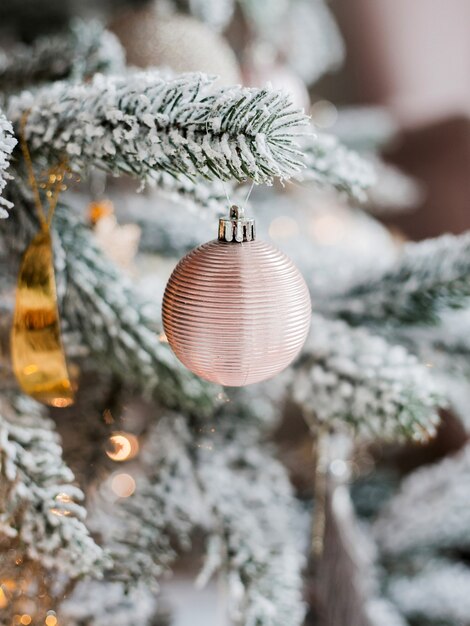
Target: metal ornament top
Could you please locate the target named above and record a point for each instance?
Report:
(236, 228)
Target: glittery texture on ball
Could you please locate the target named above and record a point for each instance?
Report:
(236, 313)
(178, 42)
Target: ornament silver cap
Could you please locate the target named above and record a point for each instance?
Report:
(236, 228)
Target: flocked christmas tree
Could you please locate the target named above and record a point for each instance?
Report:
(85, 543)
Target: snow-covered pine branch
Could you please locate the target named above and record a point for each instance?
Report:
(348, 375)
(143, 531)
(76, 54)
(252, 541)
(116, 327)
(240, 496)
(428, 278)
(102, 311)
(435, 594)
(38, 500)
(7, 143)
(142, 124)
(101, 603)
(438, 492)
(393, 191)
(329, 163)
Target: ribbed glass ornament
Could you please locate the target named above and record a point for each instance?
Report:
(236, 313)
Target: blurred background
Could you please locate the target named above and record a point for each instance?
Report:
(390, 79)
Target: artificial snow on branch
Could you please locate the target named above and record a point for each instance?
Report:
(348, 375)
(435, 594)
(76, 54)
(103, 603)
(203, 477)
(111, 320)
(252, 543)
(142, 125)
(437, 492)
(329, 163)
(38, 500)
(7, 143)
(430, 277)
(142, 531)
(115, 325)
(367, 129)
(393, 191)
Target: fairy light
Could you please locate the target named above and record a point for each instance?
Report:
(338, 468)
(162, 338)
(283, 227)
(26, 619)
(327, 229)
(61, 402)
(63, 498)
(123, 447)
(123, 485)
(51, 620)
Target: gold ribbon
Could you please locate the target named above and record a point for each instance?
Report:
(37, 352)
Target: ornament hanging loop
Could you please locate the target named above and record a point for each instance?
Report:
(237, 228)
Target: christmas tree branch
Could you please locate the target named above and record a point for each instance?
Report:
(221, 483)
(430, 277)
(329, 163)
(115, 324)
(252, 504)
(142, 124)
(350, 376)
(103, 603)
(76, 54)
(7, 143)
(141, 531)
(38, 498)
(102, 311)
(436, 492)
(434, 594)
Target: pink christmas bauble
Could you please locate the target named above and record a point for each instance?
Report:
(236, 312)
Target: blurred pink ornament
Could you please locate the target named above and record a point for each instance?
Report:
(236, 311)
(279, 77)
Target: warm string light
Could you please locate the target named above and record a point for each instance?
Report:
(283, 227)
(327, 229)
(63, 498)
(25, 593)
(123, 485)
(123, 447)
(51, 619)
(100, 209)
